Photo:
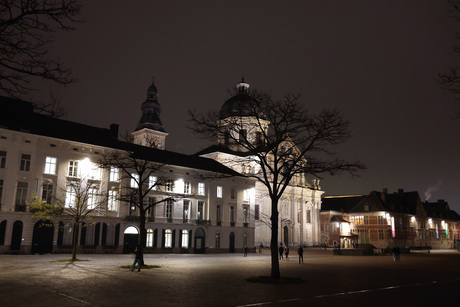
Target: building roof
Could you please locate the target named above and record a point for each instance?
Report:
(440, 210)
(340, 203)
(241, 104)
(18, 115)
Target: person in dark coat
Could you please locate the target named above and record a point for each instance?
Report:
(300, 252)
(281, 250)
(137, 258)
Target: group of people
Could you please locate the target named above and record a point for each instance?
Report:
(285, 250)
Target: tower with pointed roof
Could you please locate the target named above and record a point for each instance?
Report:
(150, 131)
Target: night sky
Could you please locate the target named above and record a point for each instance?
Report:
(377, 61)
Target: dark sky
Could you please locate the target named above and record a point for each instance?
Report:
(377, 61)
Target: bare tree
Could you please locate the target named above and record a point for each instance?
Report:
(275, 140)
(138, 177)
(25, 38)
(81, 199)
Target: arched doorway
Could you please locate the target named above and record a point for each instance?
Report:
(131, 237)
(16, 237)
(200, 241)
(232, 243)
(42, 239)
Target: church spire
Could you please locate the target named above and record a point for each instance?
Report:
(150, 130)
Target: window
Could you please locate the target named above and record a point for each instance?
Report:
(2, 159)
(168, 238)
(232, 193)
(186, 210)
(169, 207)
(232, 214)
(94, 172)
(114, 174)
(200, 210)
(91, 202)
(218, 214)
(112, 201)
(151, 209)
(381, 234)
(380, 220)
(50, 165)
(73, 168)
(187, 187)
(219, 191)
(149, 241)
(246, 214)
(184, 241)
(201, 188)
(256, 212)
(246, 195)
(25, 162)
(366, 220)
(47, 192)
(70, 196)
(153, 183)
(134, 181)
(218, 239)
(169, 185)
(21, 194)
(308, 216)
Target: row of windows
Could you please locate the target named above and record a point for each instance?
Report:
(24, 164)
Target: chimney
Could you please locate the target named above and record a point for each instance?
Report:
(114, 131)
(383, 195)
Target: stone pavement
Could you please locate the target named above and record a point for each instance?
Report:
(219, 280)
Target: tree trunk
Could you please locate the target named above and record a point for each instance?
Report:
(76, 228)
(142, 232)
(275, 273)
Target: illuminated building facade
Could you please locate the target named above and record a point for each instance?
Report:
(382, 220)
(299, 208)
(40, 155)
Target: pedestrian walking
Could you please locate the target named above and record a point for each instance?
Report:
(286, 252)
(245, 251)
(300, 252)
(137, 258)
(281, 250)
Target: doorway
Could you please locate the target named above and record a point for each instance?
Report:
(42, 239)
(131, 238)
(200, 241)
(232, 243)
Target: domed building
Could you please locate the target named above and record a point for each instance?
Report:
(299, 208)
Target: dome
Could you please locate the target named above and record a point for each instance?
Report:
(241, 104)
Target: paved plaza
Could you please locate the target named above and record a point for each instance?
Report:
(220, 280)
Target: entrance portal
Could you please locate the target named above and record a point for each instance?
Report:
(232, 243)
(131, 238)
(200, 241)
(42, 240)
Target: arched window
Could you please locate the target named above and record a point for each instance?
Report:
(168, 238)
(149, 242)
(184, 240)
(2, 232)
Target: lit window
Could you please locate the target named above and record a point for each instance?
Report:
(184, 243)
(200, 210)
(201, 188)
(149, 241)
(112, 201)
(134, 181)
(25, 162)
(246, 213)
(168, 238)
(70, 196)
(153, 182)
(2, 159)
(92, 198)
(73, 169)
(186, 210)
(246, 195)
(50, 165)
(219, 192)
(114, 174)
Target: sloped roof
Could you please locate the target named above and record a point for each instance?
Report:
(18, 115)
(440, 210)
(340, 203)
